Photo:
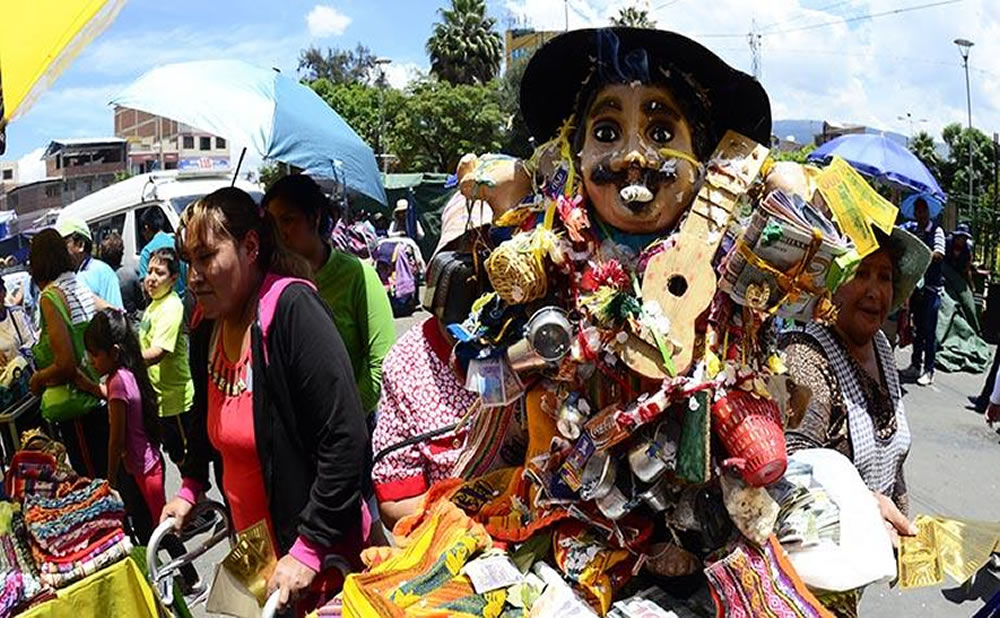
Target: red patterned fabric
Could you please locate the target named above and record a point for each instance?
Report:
(420, 393)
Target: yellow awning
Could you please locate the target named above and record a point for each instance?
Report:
(38, 39)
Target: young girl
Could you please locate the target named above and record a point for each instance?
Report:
(133, 415)
(114, 353)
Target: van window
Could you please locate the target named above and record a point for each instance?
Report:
(102, 227)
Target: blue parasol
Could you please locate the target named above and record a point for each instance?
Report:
(268, 111)
(882, 159)
(934, 205)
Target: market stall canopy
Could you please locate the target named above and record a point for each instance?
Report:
(38, 39)
(881, 158)
(272, 113)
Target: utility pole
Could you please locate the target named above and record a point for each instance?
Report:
(380, 63)
(566, 11)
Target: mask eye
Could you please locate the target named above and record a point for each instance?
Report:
(606, 132)
(660, 134)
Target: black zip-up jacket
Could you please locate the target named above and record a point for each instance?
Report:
(308, 423)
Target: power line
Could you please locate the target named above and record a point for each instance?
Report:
(834, 22)
(664, 5)
(803, 14)
(866, 17)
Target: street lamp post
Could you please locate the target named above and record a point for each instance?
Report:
(381, 62)
(909, 118)
(964, 46)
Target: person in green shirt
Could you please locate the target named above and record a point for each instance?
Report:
(165, 349)
(350, 287)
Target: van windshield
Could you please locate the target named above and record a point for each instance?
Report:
(181, 202)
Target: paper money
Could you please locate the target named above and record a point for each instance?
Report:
(855, 205)
(920, 563)
(780, 234)
(965, 546)
(252, 560)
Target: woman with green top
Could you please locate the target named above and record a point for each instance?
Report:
(349, 286)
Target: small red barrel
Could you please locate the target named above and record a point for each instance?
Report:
(750, 429)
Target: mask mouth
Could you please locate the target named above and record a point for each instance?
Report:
(637, 186)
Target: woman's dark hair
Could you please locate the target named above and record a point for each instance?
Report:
(231, 213)
(112, 249)
(110, 328)
(154, 219)
(302, 192)
(168, 257)
(48, 257)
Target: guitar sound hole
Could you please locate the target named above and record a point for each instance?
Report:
(677, 285)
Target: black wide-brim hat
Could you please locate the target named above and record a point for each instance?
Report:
(568, 64)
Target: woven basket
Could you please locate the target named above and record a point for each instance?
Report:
(750, 429)
(516, 271)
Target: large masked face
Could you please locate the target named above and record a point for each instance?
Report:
(637, 160)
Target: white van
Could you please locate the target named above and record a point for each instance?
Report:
(120, 207)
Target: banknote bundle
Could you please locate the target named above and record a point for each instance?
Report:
(783, 258)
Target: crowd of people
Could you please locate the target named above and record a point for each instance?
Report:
(260, 357)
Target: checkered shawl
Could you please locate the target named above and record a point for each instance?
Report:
(878, 461)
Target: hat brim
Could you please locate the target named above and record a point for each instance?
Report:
(556, 73)
(912, 259)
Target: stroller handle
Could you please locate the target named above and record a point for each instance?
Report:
(271, 606)
(158, 572)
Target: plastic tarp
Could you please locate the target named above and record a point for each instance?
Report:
(425, 191)
(960, 348)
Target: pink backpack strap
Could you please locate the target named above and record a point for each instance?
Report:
(270, 292)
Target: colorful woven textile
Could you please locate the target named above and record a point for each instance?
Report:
(759, 582)
(103, 552)
(422, 576)
(12, 593)
(65, 524)
(15, 552)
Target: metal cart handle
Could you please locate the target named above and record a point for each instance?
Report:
(158, 572)
(271, 606)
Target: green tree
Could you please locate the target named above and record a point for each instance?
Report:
(339, 66)
(517, 140)
(954, 176)
(440, 122)
(797, 156)
(922, 146)
(270, 173)
(464, 48)
(633, 17)
(368, 110)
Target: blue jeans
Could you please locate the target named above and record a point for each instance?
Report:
(924, 306)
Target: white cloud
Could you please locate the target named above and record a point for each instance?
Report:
(31, 167)
(324, 21)
(399, 75)
(870, 71)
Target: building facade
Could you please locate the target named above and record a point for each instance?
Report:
(521, 43)
(157, 143)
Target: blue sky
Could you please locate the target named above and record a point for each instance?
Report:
(819, 60)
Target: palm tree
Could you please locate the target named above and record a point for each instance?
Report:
(632, 17)
(464, 48)
(922, 146)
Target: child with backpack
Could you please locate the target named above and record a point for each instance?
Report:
(165, 350)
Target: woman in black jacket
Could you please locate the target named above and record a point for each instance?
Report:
(275, 398)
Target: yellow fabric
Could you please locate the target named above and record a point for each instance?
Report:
(445, 531)
(39, 38)
(119, 590)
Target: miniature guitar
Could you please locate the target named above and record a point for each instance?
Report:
(681, 279)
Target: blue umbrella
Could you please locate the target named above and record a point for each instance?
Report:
(268, 111)
(881, 158)
(934, 205)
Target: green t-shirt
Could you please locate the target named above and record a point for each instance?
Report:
(163, 326)
(361, 311)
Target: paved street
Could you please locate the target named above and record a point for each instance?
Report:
(952, 470)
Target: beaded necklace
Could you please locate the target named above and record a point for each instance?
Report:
(232, 379)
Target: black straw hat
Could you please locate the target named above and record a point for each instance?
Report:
(581, 60)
